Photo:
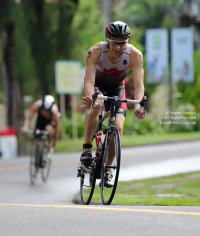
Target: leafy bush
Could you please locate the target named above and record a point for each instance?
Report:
(80, 125)
(197, 126)
(143, 126)
(186, 119)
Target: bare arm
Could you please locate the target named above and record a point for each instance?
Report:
(90, 73)
(33, 110)
(56, 119)
(92, 58)
(138, 77)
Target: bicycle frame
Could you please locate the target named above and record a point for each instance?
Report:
(37, 155)
(112, 117)
(38, 137)
(101, 165)
(99, 131)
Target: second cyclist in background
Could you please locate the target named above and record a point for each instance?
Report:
(47, 118)
(108, 64)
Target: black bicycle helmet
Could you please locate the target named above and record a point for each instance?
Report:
(117, 29)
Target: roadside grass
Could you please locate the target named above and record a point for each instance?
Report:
(70, 145)
(175, 190)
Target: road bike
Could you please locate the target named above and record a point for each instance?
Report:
(107, 143)
(40, 157)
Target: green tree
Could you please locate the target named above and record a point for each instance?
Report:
(48, 26)
(11, 84)
(149, 14)
(25, 68)
(87, 29)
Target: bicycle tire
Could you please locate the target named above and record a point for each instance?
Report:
(34, 163)
(46, 164)
(108, 192)
(87, 185)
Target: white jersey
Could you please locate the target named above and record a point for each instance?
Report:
(112, 75)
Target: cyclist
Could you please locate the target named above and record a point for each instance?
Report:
(47, 119)
(108, 64)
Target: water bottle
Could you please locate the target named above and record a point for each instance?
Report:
(98, 144)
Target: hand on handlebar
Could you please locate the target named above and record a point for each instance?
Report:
(24, 129)
(86, 102)
(139, 114)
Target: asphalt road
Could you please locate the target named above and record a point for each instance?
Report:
(47, 208)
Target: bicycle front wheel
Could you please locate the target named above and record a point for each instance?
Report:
(87, 185)
(46, 164)
(110, 166)
(34, 163)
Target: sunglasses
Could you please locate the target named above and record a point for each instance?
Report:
(115, 42)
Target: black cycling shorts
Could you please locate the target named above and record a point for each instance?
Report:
(118, 91)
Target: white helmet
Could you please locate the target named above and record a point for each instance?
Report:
(48, 102)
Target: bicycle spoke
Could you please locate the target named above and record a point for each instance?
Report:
(33, 166)
(87, 185)
(110, 168)
(46, 164)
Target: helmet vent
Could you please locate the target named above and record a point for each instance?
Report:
(125, 28)
(120, 28)
(114, 28)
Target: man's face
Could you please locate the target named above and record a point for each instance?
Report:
(116, 45)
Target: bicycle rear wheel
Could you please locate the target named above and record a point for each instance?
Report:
(46, 164)
(108, 190)
(34, 163)
(87, 184)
